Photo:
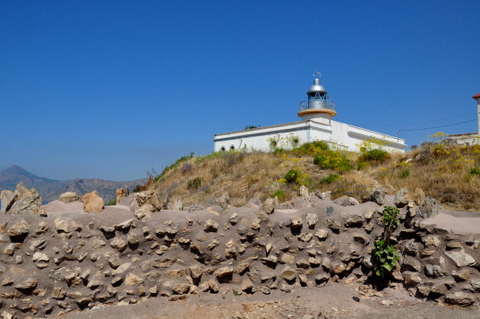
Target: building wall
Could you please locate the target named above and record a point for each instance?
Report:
(340, 134)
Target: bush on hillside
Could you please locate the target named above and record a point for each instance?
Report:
(328, 159)
(374, 156)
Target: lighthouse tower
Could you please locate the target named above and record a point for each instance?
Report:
(318, 105)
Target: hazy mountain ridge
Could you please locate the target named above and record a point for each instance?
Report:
(50, 189)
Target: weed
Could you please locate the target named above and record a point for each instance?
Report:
(330, 179)
(280, 194)
(195, 183)
(385, 256)
(405, 173)
(375, 156)
(475, 171)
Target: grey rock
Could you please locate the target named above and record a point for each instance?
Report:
(27, 284)
(269, 206)
(223, 201)
(460, 298)
(26, 201)
(332, 224)
(429, 208)
(461, 258)
(354, 221)
(401, 198)
(296, 222)
(378, 196)
(412, 264)
(346, 201)
(312, 220)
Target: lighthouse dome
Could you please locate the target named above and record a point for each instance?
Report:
(316, 87)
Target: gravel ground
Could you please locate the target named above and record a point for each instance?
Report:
(333, 301)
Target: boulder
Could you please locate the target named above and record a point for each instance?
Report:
(346, 201)
(25, 202)
(460, 298)
(93, 203)
(401, 198)
(69, 197)
(429, 208)
(223, 201)
(7, 200)
(269, 206)
(378, 196)
(148, 199)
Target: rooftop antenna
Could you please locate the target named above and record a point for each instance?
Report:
(316, 74)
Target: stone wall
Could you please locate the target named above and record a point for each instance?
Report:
(68, 259)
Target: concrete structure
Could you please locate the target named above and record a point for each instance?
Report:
(469, 138)
(316, 125)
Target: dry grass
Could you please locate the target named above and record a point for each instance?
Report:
(443, 172)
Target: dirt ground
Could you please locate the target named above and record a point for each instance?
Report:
(336, 300)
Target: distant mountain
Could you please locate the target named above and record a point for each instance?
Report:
(50, 189)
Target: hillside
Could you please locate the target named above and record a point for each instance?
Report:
(448, 173)
(50, 189)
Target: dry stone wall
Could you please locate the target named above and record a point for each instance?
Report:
(68, 259)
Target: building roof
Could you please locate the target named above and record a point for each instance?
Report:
(476, 96)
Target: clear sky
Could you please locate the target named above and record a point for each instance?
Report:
(115, 89)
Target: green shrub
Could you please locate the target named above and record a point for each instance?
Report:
(330, 179)
(375, 155)
(112, 202)
(311, 148)
(328, 159)
(279, 194)
(361, 165)
(292, 176)
(475, 171)
(405, 173)
(195, 183)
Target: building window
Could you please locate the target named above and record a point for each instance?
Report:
(232, 148)
(222, 149)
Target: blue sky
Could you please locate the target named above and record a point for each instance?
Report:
(115, 89)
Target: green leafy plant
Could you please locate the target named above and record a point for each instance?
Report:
(385, 256)
(475, 171)
(280, 194)
(112, 202)
(405, 173)
(292, 176)
(330, 179)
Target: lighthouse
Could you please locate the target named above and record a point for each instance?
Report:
(316, 124)
(318, 104)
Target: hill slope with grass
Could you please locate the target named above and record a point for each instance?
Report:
(448, 173)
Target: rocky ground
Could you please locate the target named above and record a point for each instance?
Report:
(333, 301)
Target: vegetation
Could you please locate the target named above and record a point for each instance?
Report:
(448, 173)
(385, 256)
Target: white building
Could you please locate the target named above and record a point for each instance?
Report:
(316, 125)
(469, 138)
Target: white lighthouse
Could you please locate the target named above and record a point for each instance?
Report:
(318, 105)
(316, 125)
